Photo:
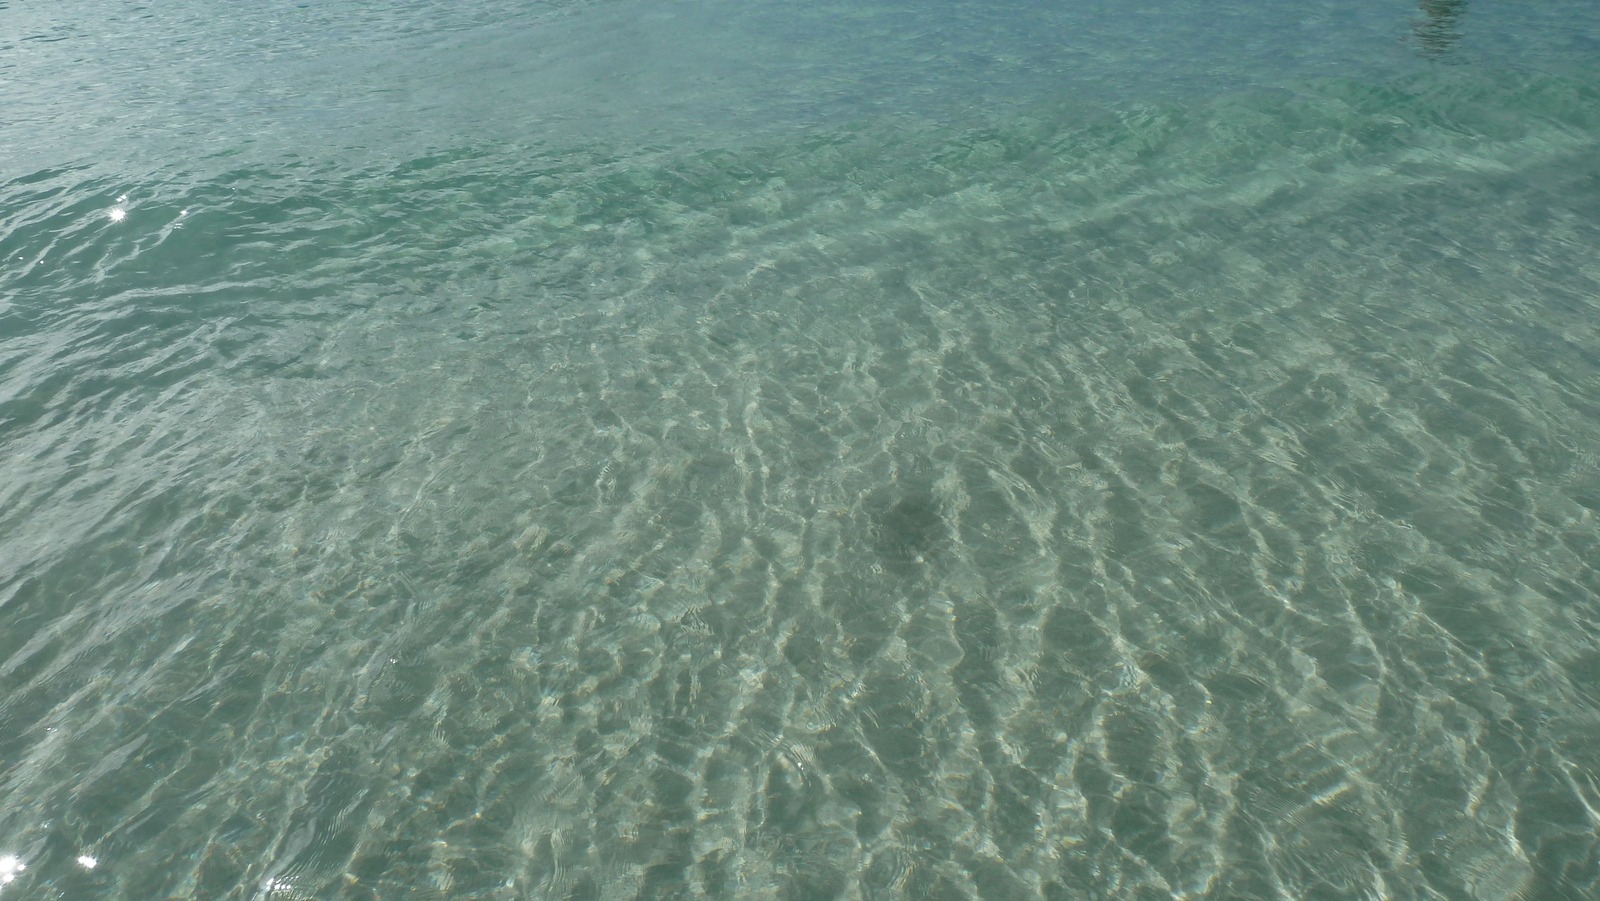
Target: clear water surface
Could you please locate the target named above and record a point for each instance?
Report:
(940, 450)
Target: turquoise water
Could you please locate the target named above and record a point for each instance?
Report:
(591, 450)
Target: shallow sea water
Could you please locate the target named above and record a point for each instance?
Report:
(847, 464)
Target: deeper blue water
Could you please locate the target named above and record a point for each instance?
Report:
(591, 449)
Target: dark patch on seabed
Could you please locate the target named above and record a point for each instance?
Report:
(907, 528)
